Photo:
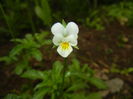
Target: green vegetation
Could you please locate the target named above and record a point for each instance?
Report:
(26, 25)
(77, 79)
(24, 16)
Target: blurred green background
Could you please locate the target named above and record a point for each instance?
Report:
(105, 45)
(18, 17)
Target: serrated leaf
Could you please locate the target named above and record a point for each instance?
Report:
(37, 54)
(5, 59)
(20, 68)
(47, 42)
(57, 67)
(40, 85)
(44, 12)
(57, 72)
(40, 93)
(41, 36)
(16, 50)
(77, 86)
(17, 40)
(87, 70)
(39, 12)
(130, 69)
(97, 82)
(78, 96)
(29, 37)
(75, 65)
(94, 96)
(33, 74)
(12, 96)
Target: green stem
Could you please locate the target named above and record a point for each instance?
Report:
(31, 21)
(63, 77)
(64, 70)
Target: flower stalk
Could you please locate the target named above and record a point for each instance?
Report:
(63, 77)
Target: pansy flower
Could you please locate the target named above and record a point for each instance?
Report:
(65, 37)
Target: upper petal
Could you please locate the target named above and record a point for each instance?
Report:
(57, 29)
(64, 53)
(57, 39)
(72, 28)
(72, 39)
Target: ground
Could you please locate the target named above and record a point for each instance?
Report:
(101, 50)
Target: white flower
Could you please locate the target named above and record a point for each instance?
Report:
(65, 37)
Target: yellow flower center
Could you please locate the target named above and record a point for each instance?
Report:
(65, 45)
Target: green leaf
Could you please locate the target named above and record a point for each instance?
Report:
(97, 82)
(25, 96)
(40, 85)
(94, 96)
(80, 75)
(37, 54)
(17, 40)
(78, 96)
(57, 68)
(87, 69)
(39, 12)
(33, 74)
(29, 37)
(41, 36)
(75, 65)
(84, 96)
(76, 47)
(20, 68)
(45, 83)
(12, 96)
(47, 42)
(77, 86)
(64, 23)
(16, 50)
(44, 12)
(130, 69)
(57, 72)
(15, 96)
(41, 93)
(54, 46)
(5, 59)
(76, 62)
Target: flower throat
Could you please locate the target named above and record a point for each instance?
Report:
(64, 45)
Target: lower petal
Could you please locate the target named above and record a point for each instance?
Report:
(64, 53)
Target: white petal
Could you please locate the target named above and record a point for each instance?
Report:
(57, 39)
(57, 29)
(72, 28)
(72, 39)
(64, 53)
